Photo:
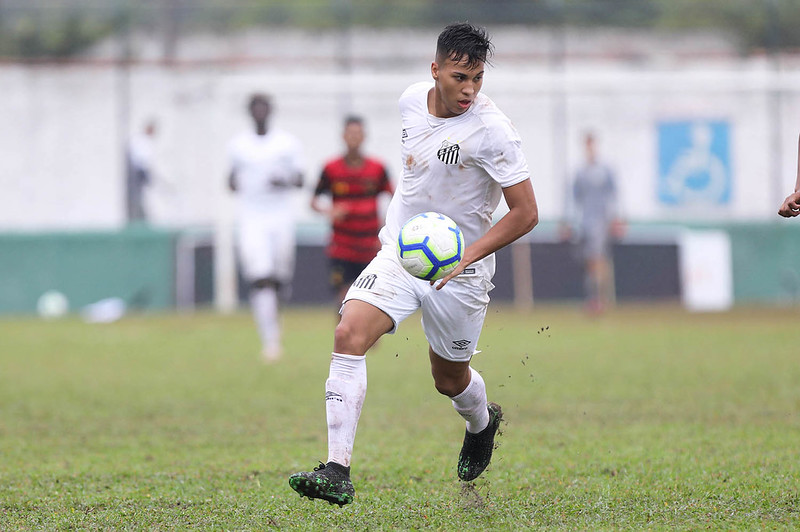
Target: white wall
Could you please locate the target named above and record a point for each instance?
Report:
(62, 126)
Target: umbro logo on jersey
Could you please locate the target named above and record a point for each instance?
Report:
(448, 153)
(366, 281)
(405, 134)
(461, 345)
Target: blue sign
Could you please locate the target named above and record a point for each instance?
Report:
(694, 166)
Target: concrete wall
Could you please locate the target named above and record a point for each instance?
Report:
(62, 127)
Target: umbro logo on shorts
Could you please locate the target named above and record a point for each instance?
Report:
(366, 281)
(448, 153)
(461, 345)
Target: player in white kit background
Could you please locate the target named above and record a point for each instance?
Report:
(461, 154)
(266, 169)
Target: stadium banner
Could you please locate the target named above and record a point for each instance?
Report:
(694, 163)
(706, 271)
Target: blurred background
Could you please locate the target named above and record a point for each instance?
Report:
(710, 89)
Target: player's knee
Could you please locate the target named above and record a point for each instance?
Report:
(448, 387)
(348, 338)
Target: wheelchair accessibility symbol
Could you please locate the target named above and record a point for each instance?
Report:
(694, 163)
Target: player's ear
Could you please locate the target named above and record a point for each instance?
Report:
(435, 70)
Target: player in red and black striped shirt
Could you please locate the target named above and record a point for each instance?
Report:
(353, 182)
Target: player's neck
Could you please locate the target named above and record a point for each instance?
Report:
(261, 128)
(353, 159)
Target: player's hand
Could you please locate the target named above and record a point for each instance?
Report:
(791, 206)
(617, 229)
(564, 232)
(444, 280)
(338, 212)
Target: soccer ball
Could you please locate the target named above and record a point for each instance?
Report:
(430, 246)
(52, 304)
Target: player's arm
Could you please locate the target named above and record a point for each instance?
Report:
(334, 212)
(791, 205)
(291, 177)
(522, 216)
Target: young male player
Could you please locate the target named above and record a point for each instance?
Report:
(354, 182)
(460, 155)
(265, 167)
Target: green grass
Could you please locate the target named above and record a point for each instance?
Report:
(645, 418)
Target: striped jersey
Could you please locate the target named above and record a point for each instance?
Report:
(355, 237)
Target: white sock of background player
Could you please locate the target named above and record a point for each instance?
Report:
(264, 303)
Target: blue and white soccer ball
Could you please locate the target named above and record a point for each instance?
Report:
(430, 246)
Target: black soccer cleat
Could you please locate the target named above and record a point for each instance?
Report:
(476, 452)
(329, 482)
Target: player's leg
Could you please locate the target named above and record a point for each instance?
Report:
(465, 386)
(374, 305)
(592, 283)
(257, 258)
(595, 269)
(452, 319)
(345, 389)
(264, 305)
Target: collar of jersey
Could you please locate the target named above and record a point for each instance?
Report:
(435, 121)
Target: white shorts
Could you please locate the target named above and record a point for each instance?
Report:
(452, 318)
(266, 249)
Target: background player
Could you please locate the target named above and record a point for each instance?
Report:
(460, 155)
(265, 167)
(354, 182)
(140, 159)
(594, 212)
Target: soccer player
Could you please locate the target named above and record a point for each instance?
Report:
(140, 160)
(594, 197)
(266, 165)
(354, 182)
(460, 154)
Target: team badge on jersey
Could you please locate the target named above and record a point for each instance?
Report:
(448, 153)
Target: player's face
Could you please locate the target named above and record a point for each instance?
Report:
(456, 86)
(260, 111)
(353, 136)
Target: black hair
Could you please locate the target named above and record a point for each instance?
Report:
(464, 41)
(353, 119)
(259, 97)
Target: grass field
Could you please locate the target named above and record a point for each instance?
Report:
(645, 418)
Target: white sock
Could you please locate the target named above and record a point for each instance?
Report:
(472, 404)
(264, 303)
(345, 390)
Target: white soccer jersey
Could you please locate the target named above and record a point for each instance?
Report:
(456, 166)
(259, 159)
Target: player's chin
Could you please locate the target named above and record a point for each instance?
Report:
(458, 110)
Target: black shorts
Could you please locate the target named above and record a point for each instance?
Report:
(344, 272)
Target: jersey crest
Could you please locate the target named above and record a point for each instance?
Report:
(448, 153)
